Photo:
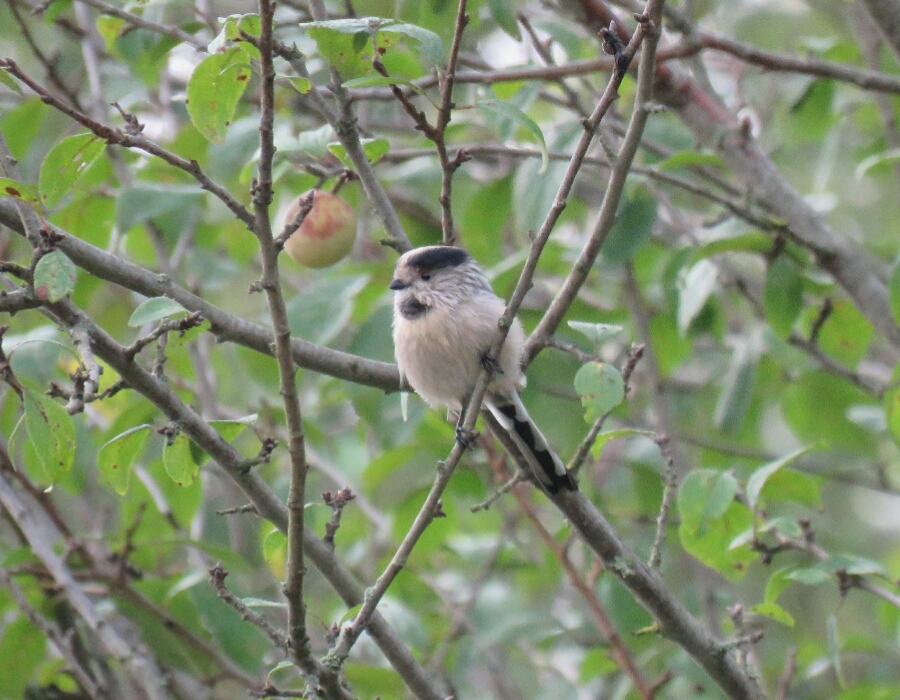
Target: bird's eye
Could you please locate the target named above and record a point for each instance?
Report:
(426, 276)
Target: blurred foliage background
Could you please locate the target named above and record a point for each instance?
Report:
(777, 391)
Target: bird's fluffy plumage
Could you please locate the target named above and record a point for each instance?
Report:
(445, 319)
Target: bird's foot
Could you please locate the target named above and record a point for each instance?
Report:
(491, 364)
(466, 437)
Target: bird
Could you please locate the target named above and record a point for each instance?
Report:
(446, 317)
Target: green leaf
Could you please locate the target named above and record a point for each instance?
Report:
(789, 485)
(597, 332)
(51, 433)
(230, 429)
(777, 583)
(280, 666)
(810, 576)
(351, 58)
(596, 663)
(375, 150)
(178, 460)
(690, 159)
(65, 164)
(710, 540)
(14, 188)
(812, 116)
(154, 309)
(117, 456)
(427, 42)
(10, 82)
(758, 479)
(370, 80)
(775, 612)
(505, 17)
(350, 614)
(323, 310)
(232, 26)
(694, 291)
(23, 651)
(54, 276)
(604, 438)
(145, 201)
(705, 495)
(214, 90)
(516, 115)
(275, 551)
(815, 407)
(301, 85)
(883, 159)
(891, 406)
(834, 650)
(855, 565)
(783, 295)
(601, 389)
(110, 28)
(846, 333)
(894, 291)
(750, 242)
(738, 389)
(633, 227)
(263, 603)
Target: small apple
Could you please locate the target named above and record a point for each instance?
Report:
(327, 233)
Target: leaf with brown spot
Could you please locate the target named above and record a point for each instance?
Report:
(214, 90)
(116, 457)
(51, 433)
(24, 193)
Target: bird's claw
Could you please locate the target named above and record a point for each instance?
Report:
(465, 437)
(489, 363)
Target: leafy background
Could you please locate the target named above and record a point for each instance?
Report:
(775, 384)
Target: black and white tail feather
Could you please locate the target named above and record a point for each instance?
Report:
(445, 316)
(543, 461)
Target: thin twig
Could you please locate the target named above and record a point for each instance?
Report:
(217, 575)
(790, 668)
(336, 501)
(290, 227)
(445, 112)
(670, 486)
(517, 478)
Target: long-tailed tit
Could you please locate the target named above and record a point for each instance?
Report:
(445, 319)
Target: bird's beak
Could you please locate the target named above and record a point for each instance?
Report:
(397, 285)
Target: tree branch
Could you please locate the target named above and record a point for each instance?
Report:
(225, 326)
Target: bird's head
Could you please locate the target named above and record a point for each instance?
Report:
(435, 276)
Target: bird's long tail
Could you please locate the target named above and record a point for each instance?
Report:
(546, 466)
